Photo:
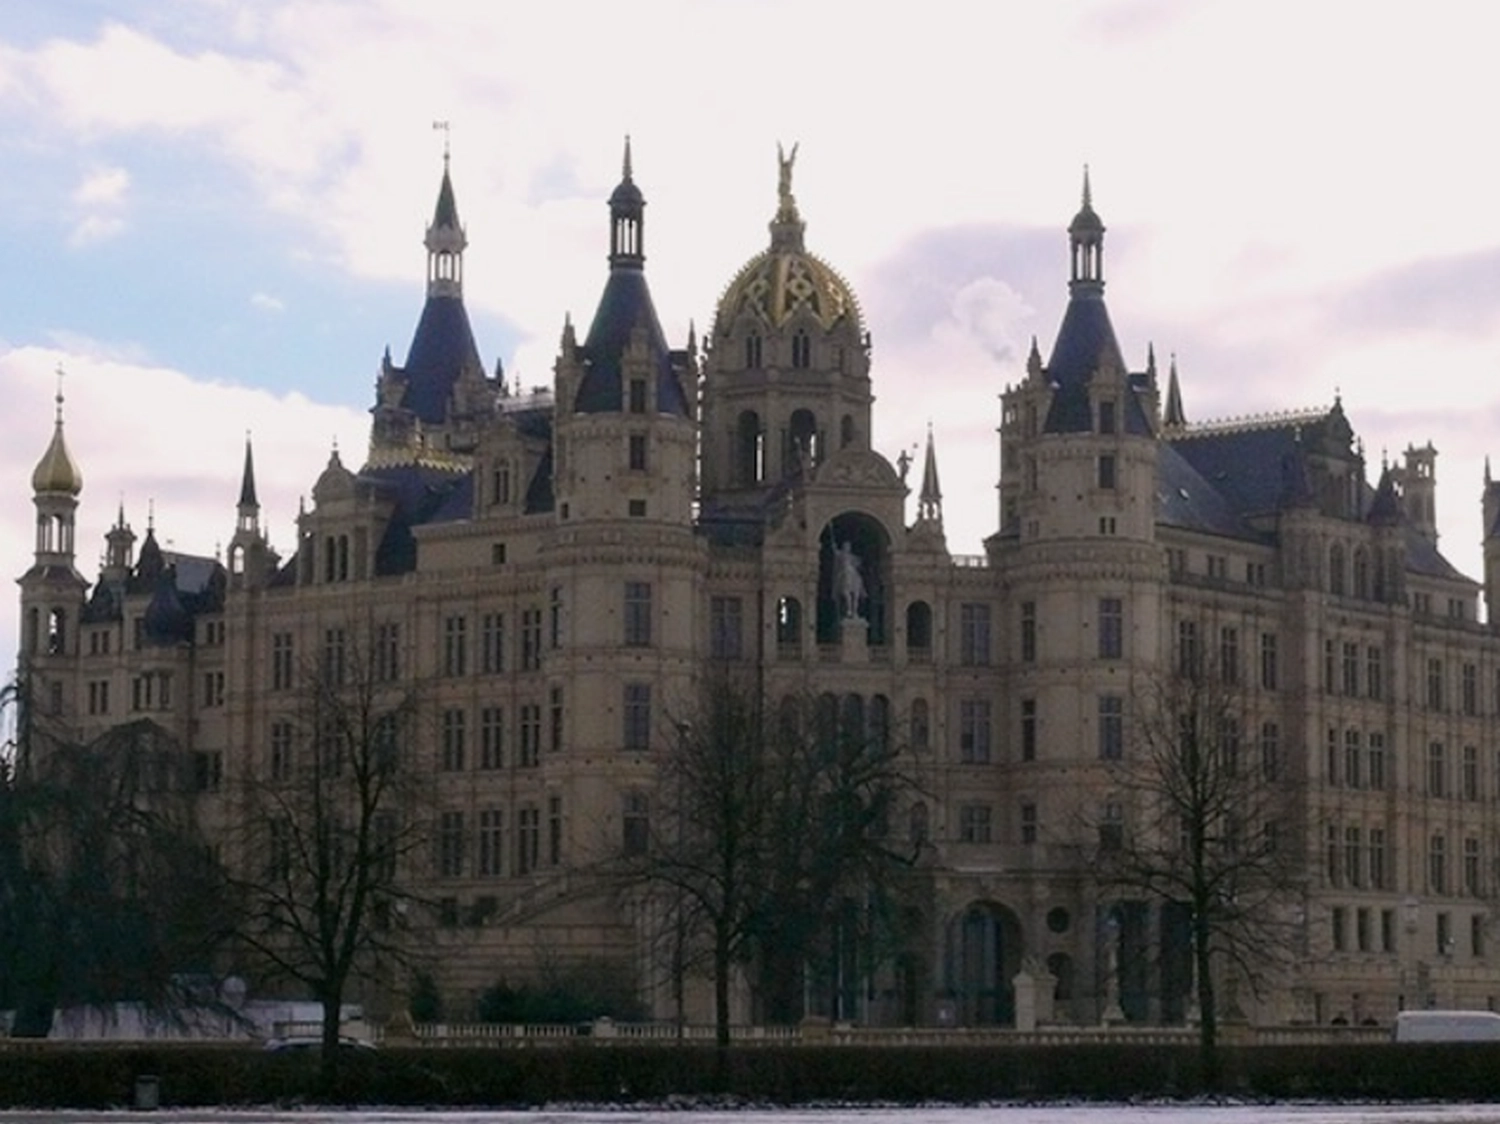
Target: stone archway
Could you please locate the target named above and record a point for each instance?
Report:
(984, 947)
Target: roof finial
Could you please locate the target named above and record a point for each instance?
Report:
(1088, 195)
(626, 173)
(446, 128)
(59, 396)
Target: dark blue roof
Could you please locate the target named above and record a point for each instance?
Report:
(1085, 341)
(625, 302)
(419, 494)
(1185, 499)
(441, 347)
(1249, 466)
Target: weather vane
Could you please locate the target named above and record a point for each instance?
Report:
(446, 130)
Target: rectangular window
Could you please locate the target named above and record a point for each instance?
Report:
(1362, 929)
(1476, 935)
(1111, 628)
(531, 736)
(637, 614)
(1028, 822)
(1387, 930)
(531, 639)
(636, 730)
(208, 770)
(1229, 654)
(554, 830)
(635, 824)
(281, 750)
(1434, 684)
(281, 661)
(974, 731)
(333, 656)
(1437, 770)
(213, 688)
(1269, 671)
(1354, 857)
(637, 446)
(554, 617)
(1107, 416)
(1331, 758)
(1376, 771)
(726, 628)
(1187, 649)
(450, 844)
(1111, 727)
(1270, 751)
(1471, 867)
(1107, 471)
(455, 646)
(555, 728)
(1028, 729)
(974, 823)
(1444, 934)
(455, 733)
(1376, 866)
(492, 643)
(636, 509)
(387, 652)
(637, 396)
(528, 839)
(1112, 827)
(1337, 928)
(491, 842)
(974, 634)
(1469, 687)
(99, 697)
(1437, 864)
(1470, 769)
(1375, 672)
(492, 738)
(1353, 759)
(1028, 632)
(1333, 868)
(1330, 665)
(1350, 669)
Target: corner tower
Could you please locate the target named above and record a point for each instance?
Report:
(52, 589)
(625, 436)
(786, 378)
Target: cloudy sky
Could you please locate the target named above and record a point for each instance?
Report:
(211, 213)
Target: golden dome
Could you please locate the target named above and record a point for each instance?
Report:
(56, 472)
(785, 279)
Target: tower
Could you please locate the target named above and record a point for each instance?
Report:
(251, 560)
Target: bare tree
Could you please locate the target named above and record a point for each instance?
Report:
(108, 891)
(770, 844)
(332, 816)
(1208, 827)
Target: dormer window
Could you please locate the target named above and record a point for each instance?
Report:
(1107, 416)
(637, 396)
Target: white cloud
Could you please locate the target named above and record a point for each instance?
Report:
(105, 187)
(267, 303)
(93, 229)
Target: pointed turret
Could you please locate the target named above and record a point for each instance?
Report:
(249, 506)
(445, 242)
(1086, 235)
(249, 554)
(627, 214)
(930, 499)
(1173, 416)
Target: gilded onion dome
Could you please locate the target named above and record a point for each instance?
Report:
(56, 472)
(785, 279)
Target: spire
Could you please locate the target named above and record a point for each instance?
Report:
(445, 239)
(1173, 416)
(930, 499)
(1086, 235)
(247, 478)
(787, 227)
(627, 220)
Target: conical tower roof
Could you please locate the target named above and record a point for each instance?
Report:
(57, 473)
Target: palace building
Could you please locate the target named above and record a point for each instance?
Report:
(562, 564)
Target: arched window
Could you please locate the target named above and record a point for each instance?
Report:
(57, 633)
(921, 726)
(919, 631)
(789, 625)
(1361, 573)
(752, 350)
(802, 440)
(1336, 570)
(846, 432)
(880, 723)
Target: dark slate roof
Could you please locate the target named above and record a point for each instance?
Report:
(446, 212)
(539, 495)
(1185, 499)
(167, 620)
(1084, 339)
(743, 521)
(1423, 557)
(1248, 465)
(625, 302)
(419, 494)
(440, 348)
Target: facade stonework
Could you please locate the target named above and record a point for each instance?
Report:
(561, 566)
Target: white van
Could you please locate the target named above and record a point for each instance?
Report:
(1448, 1026)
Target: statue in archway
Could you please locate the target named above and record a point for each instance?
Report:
(848, 584)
